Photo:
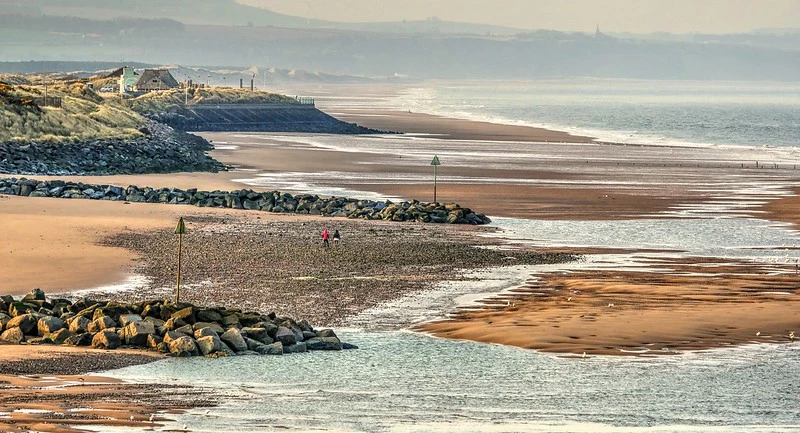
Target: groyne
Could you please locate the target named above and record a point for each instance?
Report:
(247, 199)
(174, 328)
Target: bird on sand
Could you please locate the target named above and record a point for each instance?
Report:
(610, 304)
(132, 418)
(208, 411)
(152, 417)
(758, 333)
(185, 427)
(583, 355)
(569, 299)
(791, 335)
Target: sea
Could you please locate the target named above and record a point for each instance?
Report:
(402, 381)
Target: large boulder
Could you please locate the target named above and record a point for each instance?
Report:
(185, 330)
(233, 338)
(214, 326)
(4, 318)
(209, 344)
(101, 323)
(185, 314)
(27, 323)
(326, 333)
(183, 346)
(84, 339)
(35, 295)
(208, 315)
(136, 332)
(275, 348)
(172, 335)
(230, 321)
(79, 324)
(173, 324)
(253, 344)
(285, 336)
(258, 334)
(296, 348)
(324, 343)
(49, 324)
(12, 336)
(153, 341)
(59, 336)
(18, 308)
(204, 332)
(125, 319)
(105, 340)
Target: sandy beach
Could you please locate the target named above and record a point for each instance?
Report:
(73, 236)
(51, 389)
(272, 262)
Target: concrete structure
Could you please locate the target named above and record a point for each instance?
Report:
(127, 80)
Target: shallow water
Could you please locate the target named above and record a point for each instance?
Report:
(400, 381)
(406, 382)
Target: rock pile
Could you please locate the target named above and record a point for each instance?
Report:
(179, 329)
(271, 201)
(160, 149)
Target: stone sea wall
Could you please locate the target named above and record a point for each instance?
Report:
(270, 201)
(256, 117)
(160, 149)
(180, 329)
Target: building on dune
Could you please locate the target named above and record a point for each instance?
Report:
(155, 79)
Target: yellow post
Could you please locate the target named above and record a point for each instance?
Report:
(179, 230)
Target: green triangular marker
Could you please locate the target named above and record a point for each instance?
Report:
(181, 229)
(435, 160)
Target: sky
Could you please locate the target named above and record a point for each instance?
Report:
(637, 16)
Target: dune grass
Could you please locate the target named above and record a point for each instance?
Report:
(84, 115)
(167, 100)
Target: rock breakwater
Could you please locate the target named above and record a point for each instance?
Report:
(160, 149)
(270, 201)
(177, 329)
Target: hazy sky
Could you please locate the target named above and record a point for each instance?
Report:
(640, 16)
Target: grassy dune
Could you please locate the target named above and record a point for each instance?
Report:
(162, 101)
(85, 115)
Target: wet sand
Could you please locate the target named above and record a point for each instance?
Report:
(700, 305)
(68, 231)
(454, 129)
(51, 389)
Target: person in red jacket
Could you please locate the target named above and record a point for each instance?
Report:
(325, 238)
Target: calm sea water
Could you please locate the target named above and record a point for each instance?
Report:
(404, 382)
(627, 111)
(399, 381)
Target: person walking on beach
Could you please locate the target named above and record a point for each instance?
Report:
(336, 237)
(325, 238)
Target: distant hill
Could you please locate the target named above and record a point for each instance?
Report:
(347, 54)
(228, 13)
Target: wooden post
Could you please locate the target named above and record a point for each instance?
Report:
(179, 230)
(434, 183)
(435, 163)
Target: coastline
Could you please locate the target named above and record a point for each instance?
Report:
(54, 389)
(567, 192)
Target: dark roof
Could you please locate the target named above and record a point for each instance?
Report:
(118, 73)
(162, 74)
